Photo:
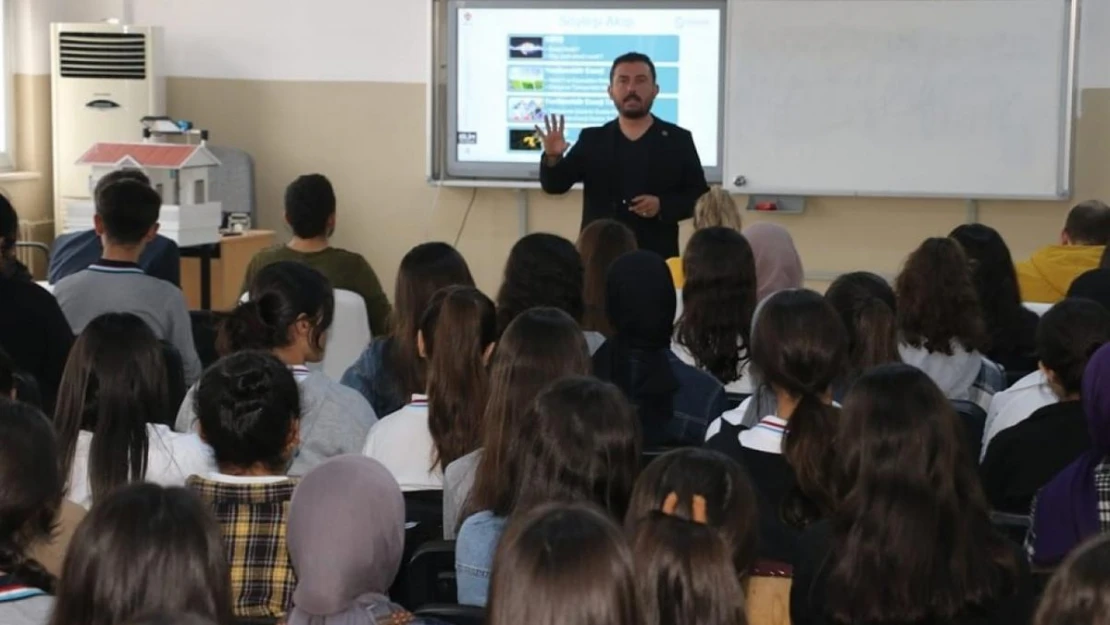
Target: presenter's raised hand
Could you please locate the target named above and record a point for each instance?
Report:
(554, 140)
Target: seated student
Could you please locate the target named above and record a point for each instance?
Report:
(675, 402)
(910, 540)
(126, 220)
(565, 564)
(111, 407)
(866, 305)
(692, 524)
(456, 337)
(75, 251)
(33, 330)
(777, 264)
(1046, 276)
(310, 212)
(578, 443)
(599, 244)
(1010, 326)
(941, 323)
(145, 549)
(1024, 457)
(390, 369)
(714, 330)
(249, 411)
(543, 270)
(346, 538)
(1071, 507)
(1033, 391)
(800, 348)
(714, 209)
(31, 489)
(539, 346)
(1079, 591)
(290, 309)
(10, 267)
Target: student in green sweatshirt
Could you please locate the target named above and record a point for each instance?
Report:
(310, 212)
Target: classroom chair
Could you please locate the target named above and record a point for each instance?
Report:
(454, 614)
(348, 336)
(430, 574)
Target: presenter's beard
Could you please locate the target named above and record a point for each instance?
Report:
(645, 108)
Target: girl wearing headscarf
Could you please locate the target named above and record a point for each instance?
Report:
(777, 264)
(346, 534)
(675, 401)
(1075, 505)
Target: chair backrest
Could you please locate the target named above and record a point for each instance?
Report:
(454, 614)
(430, 574)
(1014, 526)
(175, 379)
(232, 183)
(974, 420)
(348, 336)
(204, 336)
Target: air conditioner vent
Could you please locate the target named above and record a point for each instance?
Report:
(102, 55)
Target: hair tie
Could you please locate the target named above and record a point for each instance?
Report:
(697, 507)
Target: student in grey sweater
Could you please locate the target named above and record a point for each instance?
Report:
(290, 309)
(126, 220)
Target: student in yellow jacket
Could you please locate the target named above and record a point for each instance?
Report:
(1046, 276)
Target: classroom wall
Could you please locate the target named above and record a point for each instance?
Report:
(355, 109)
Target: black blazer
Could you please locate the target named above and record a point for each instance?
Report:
(676, 177)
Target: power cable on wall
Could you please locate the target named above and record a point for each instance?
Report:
(466, 216)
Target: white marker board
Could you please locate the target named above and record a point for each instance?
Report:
(901, 98)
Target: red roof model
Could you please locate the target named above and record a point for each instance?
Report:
(148, 155)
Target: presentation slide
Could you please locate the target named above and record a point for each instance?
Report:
(515, 65)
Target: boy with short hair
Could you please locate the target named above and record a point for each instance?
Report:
(1046, 276)
(126, 220)
(310, 212)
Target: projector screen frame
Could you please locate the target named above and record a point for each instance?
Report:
(453, 170)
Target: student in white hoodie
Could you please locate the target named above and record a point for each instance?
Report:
(112, 403)
(289, 311)
(941, 323)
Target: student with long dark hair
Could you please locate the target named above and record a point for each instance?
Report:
(715, 209)
(144, 549)
(1011, 327)
(390, 369)
(940, 321)
(866, 305)
(33, 329)
(290, 309)
(456, 337)
(543, 271)
(539, 346)
(600, 244)
(578, 443)
(111, 408)
(1079, 592)
(564, 564)
(30, 497)
(674, 401)
(249, 410)
(1025, 456)
(799, 348)
(692, 523)
(718, 301)
(910, 539)
(1071, 507)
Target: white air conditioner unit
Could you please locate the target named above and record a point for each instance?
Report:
(104, 79)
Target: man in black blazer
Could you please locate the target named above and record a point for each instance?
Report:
(637, 169)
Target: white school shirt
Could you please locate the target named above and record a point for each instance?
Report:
(1016, 404)
(170, 459)
(403, 443)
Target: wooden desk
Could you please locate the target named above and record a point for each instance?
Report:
(229, 267)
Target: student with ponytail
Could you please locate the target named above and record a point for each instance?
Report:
(866, 305)
(30, 497)
(455, 337)
(288, 313)
(799, 347)
(692, 523)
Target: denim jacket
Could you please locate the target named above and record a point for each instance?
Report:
(371, 377)
(474, 550)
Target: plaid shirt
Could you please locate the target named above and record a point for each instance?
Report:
(253, 518)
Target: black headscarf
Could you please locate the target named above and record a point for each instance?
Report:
(640, 304)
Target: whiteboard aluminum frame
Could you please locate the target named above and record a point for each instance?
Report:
(1064, 173)
(459, 173)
